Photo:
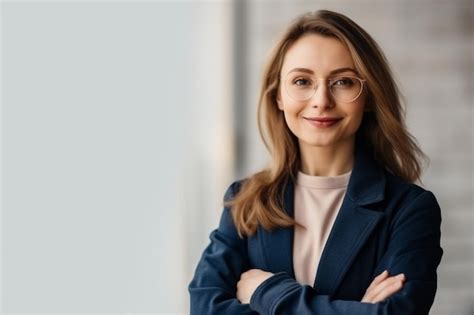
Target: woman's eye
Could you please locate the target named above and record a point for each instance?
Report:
(301, 82)
(342, 82)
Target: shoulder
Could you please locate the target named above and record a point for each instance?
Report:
(399, 188)
(226, 223)
(233, 188)
(408, 199)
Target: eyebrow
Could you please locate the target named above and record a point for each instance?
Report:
(332, 72)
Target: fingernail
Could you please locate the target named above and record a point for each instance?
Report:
(401, 276)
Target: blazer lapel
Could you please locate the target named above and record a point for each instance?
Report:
(354, 223)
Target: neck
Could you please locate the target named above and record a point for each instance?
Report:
(331, 160)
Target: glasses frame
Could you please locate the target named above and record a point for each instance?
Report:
(362, 81)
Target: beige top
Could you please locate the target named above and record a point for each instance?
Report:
(317, 202)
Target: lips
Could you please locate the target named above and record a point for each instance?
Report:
(323, 119)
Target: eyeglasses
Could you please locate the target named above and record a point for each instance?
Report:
(344, 89)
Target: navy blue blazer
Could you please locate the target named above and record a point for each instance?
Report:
(383, 223)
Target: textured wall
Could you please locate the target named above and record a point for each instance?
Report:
(429, 45)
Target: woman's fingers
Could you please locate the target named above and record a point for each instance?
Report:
(370, 292)
(390, 282)
(390, 288)
(378, 279)
(383, 287)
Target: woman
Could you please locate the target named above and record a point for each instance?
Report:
(335, 224)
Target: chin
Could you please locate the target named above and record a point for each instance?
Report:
(320, 142)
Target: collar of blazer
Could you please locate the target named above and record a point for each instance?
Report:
(353, 225)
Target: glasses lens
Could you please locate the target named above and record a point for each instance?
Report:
(299, 86)
(345, 89)
(302, 87)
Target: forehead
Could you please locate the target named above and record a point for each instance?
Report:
(318, 53)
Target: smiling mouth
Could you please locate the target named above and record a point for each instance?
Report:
(323, 119)
(323, 123)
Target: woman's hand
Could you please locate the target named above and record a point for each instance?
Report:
(248, 282)
(382, 287)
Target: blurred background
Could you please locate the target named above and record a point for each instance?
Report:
(124, 122)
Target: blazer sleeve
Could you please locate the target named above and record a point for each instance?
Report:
(414, 249)
(213, 287)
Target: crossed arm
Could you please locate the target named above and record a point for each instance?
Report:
(225, 284)
(381, 288)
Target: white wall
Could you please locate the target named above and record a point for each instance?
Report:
(116, 150)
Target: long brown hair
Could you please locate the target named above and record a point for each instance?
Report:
(259, 200)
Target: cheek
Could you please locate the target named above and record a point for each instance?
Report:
(292, 113)
(290, 106)
(356, 115)
(357, 109)
(290, 120)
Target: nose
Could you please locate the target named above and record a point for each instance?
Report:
(322, 97)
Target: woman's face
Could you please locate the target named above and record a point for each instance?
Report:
(322, 56)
